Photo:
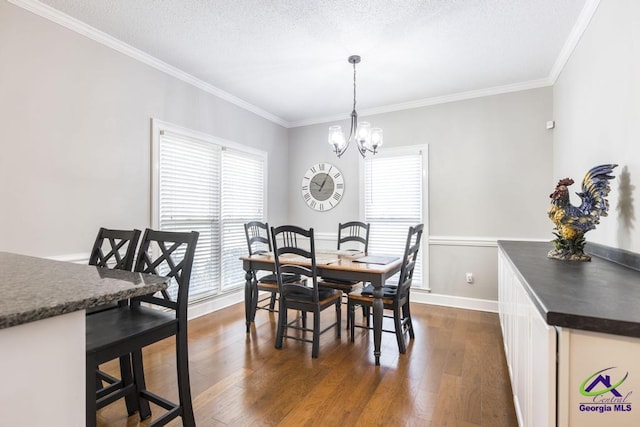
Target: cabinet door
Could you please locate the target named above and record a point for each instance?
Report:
(530, 349)
(522, 352)
(543, 371)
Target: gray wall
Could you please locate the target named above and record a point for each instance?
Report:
(76, 136)
(490, 175)
(597, 113)
(76, 146)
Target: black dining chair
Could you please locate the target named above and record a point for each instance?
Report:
(126, 329)
(304, 295)
(259, 243)
(353, 235)
(395, 298)
(115, 249)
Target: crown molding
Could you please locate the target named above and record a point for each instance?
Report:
(497, 90)
(92, 33)
(570, 44)
(80, 27)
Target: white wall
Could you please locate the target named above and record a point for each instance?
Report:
(75, 145)
(490, 175)
(597, 113)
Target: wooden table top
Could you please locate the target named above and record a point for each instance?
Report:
(330, 261)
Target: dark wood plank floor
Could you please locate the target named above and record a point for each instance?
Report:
(454, 374)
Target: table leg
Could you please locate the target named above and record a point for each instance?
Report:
(378, 311)
(250, 298)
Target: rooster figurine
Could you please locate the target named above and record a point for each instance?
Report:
(572, 222)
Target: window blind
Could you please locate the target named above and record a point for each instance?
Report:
(212, 189)
(393, 200)
(243, 196)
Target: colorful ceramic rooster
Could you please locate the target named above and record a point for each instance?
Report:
(572, 222)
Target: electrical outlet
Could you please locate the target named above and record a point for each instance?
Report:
(469, 277)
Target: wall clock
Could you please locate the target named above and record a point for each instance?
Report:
(322, 186)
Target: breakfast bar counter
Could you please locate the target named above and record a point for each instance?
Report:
(42, 333)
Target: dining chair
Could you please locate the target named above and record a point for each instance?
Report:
(126, 329)
(114, 249)
(259, 243)
(395, 298)
(291, 243)
(353, 235)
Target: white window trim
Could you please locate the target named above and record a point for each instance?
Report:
(159, 126)
(424, 244)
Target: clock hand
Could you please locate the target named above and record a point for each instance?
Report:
(325, 178)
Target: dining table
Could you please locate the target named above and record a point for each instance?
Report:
(362, 267)
(42, 333)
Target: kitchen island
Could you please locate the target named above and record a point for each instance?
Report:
(42, 333)
(572, 337)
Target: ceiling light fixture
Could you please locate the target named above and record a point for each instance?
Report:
(366, 138)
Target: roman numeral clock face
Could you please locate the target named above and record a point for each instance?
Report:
(322, 187)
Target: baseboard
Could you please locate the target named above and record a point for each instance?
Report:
(209, 305)
(417, 296)
(422, 297)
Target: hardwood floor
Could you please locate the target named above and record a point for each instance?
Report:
(453, 374)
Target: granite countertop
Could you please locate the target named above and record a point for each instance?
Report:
(599, 296)
(37, 288)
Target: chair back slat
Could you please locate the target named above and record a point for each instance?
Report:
(258, 237)
(293, 240)
(114, 249)
(170, 254)
(410, 258)
(354, 231)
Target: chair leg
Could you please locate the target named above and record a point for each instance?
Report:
(351, 316)
(184, 388)
(138, 378)
(348, 317)
(366, 312)
(272, 302)
(339, 318)
(399, 333)
(126, 375)
(90, 390)
(304, 319)
(407, 315)
(282, 321)
(316, 334)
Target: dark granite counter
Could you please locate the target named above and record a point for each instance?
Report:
(36, 288)
(599, 296)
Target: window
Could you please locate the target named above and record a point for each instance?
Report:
(212, 186)
(395, 191)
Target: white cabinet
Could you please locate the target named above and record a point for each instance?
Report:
(530, 349)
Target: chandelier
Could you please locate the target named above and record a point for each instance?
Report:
(366, 137)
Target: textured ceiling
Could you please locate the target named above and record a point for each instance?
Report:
(289, 57)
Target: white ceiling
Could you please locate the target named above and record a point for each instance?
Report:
(288, 58)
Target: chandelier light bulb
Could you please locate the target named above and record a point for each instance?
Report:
(336, 138)
(376, 139)
(363, 133)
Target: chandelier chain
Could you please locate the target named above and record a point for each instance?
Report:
(354, 86)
